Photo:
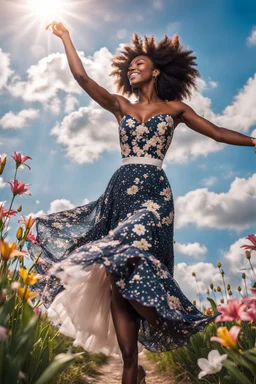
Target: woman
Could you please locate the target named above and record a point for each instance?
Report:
(111, 285)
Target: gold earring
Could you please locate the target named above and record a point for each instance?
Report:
(155, 80)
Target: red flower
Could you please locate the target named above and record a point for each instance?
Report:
(4, 212)
(18, 188)
(20, 159)
(252, 238)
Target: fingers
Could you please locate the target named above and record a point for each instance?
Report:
(53, 24)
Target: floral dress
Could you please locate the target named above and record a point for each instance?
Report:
(81, 247)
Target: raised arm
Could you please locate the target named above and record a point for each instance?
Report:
(105, 99)
(204, 126)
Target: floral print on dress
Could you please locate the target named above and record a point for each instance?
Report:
(133, 218)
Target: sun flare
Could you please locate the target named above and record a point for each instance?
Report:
(46, 9)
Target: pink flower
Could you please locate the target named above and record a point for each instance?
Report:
(18, 188)
(4, 212)
(3, 333)
(28, 221)
(252, 238)
(20, 159)
(37, 310)
(31, 237)
(232, 311)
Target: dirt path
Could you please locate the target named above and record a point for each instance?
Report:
(113, 370)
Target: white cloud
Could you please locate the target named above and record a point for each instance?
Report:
(209, 181)
(235, 209)
(60, 205)
(2, 183)
(20, 120)
(70, 103)
(5, 71)
(87, 133)
(191, 249)
(251, 40)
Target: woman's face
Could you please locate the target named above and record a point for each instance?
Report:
(140, 70)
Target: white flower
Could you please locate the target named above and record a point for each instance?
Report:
(107, 262)
(137, 277)
(150, 205)
(15, 285)
(212, 365)
(94, 248)
(132, 190)
(167, 193)
(137, 180)
(125, 149)
(139, 229)
(121, 283)
(161, 127)
(142, 243)
(169, 120)
(173, 301)
(130, 123)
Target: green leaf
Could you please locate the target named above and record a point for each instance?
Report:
(59, 364)
(235, 373)
(7, 308)
(213, 305)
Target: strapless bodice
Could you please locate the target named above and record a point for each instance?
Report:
(149, 139)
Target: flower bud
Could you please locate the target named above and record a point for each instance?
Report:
(243, 276)
(193, 274)
(219, 264)
(2, 165)
(239, 288)
(222, 300)
(19, 233)
(218, 288)
(211, 285)
(222, 272)
(19, 208)
(194, 302)
(230, 292)
(228, 286)
(248, 254)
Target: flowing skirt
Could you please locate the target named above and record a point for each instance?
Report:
(81, 247)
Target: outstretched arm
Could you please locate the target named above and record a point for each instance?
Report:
(222, 135)
(105, 99)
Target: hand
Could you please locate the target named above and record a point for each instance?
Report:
(57, 29)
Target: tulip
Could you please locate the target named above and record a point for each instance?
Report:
(212, 365)
(8, 251)
(20, 159)
(18, 188)
(227, 338)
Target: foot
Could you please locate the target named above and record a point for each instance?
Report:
(141, 375)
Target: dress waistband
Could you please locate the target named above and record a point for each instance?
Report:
(142, 160)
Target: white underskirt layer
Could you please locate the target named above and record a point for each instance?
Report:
(82, 311)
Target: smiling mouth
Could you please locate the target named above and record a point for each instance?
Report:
(133, 75)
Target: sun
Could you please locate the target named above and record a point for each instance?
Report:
(46, 9)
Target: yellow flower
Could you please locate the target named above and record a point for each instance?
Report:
(29, 278)
(8, 251)
(28, 294)
(227, 338)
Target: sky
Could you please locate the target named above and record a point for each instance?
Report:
(46, 115)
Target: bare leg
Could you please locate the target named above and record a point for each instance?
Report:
(126, 324)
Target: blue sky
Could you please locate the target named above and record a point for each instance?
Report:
(43, 109)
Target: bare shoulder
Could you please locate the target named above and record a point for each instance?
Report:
(181, 110)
